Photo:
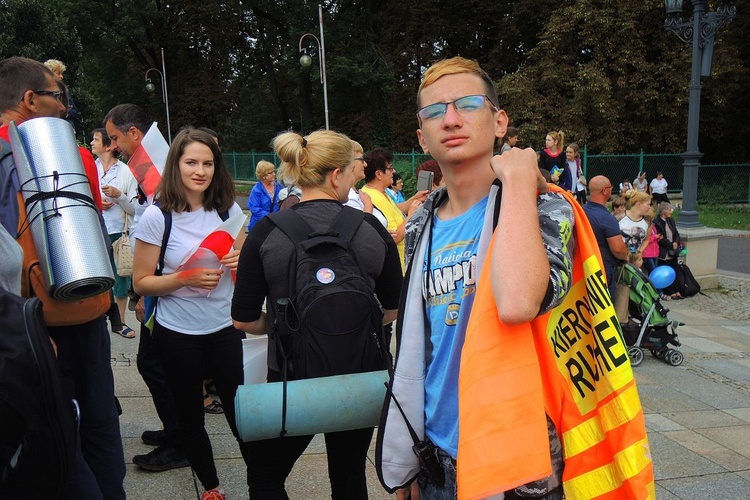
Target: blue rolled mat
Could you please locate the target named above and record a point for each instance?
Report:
(325, 404)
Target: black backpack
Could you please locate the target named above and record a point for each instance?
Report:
(37, 421)
(332, 319)
(689, 285)
(684, 282)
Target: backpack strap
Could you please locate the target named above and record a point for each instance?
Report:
(164, 241)
(9, 186)
(291, 224)
(165, 238)
(496, 208)
(347, 223)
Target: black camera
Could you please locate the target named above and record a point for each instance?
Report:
(427, 454)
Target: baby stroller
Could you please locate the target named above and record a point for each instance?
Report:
(647, 325)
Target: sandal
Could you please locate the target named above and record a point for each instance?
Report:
(214, 407)
(211, 388)
(126, 332)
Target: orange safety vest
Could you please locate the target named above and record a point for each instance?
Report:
(570, 363)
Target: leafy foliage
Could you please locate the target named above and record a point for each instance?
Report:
(605, 72)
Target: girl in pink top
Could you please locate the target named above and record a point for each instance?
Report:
(651, 252)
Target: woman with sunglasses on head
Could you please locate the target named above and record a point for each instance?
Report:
(193, 333)
(552, 159)
(324, 166)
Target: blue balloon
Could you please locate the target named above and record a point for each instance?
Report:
(662, 276)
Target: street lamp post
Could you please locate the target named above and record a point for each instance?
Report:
(305, 60)
(164, 95)
(700, 33)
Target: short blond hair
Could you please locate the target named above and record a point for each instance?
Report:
(55, 66)
(263, 168)
(455, 66)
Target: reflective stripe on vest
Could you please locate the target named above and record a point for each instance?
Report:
(570, 363)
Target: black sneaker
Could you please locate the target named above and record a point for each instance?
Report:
(154, 438)
(163, 458)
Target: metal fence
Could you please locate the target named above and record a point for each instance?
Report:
(721, 183)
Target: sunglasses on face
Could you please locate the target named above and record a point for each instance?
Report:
(57, 94)
(462, 105)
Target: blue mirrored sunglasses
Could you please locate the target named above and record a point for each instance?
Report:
(466, 104)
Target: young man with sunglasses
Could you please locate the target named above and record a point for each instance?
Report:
(447, 240)
(28, 91)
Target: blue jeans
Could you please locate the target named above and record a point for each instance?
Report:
(449, 490)
(84, 354)
(649, 264)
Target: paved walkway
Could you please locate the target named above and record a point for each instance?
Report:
(698, 414)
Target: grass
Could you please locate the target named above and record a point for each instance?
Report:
(243, 187)
(723, 216)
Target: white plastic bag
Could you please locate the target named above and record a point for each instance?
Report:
(255, 359)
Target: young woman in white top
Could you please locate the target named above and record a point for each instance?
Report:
(640, 183)
(573, 158)
(193, 333)
(659, 189)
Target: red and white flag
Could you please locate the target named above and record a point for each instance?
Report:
(214, 247)
(147, 163)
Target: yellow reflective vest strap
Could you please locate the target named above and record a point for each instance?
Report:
(570, 363)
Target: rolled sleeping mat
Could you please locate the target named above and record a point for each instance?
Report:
(62, 216)
(315, 405)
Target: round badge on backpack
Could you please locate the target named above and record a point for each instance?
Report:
(325, 275)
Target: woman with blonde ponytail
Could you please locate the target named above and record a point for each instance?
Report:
(323, 165)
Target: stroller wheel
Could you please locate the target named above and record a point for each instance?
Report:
(657, 353)
(636, 356)
(674, 357)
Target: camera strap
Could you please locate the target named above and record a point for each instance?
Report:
(412, 432)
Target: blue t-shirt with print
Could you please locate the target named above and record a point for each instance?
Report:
(449, 286)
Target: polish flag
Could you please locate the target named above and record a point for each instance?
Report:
(213, 248)
(147, 163)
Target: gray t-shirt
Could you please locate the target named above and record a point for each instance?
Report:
(12, 263)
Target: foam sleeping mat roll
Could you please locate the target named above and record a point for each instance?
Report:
(316, 405)
(62, 217)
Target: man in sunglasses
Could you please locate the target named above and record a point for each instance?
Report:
(606, 228)
(28, 90)
(447, 240)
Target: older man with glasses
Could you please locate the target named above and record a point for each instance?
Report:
(29, 91)
(606, 228)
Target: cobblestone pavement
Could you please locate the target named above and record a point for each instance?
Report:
(730, 300)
